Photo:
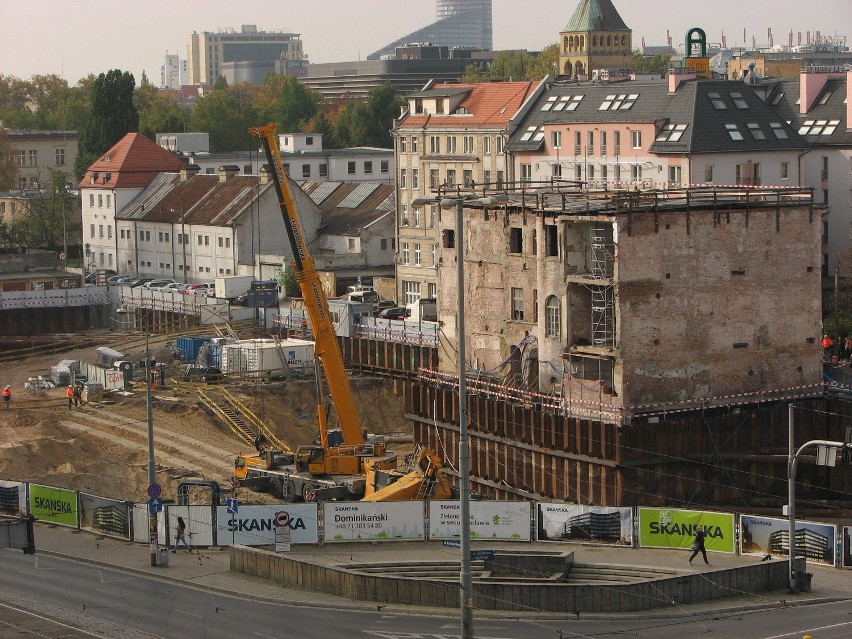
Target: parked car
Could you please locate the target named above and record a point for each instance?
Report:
(175, 287)
(117, 279)
(138, 282)
(92, 278)
(394, 313)
(381, 305)
(206, 374)
(198, 289)
(160, 283)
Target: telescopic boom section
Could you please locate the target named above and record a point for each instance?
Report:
(316, 304)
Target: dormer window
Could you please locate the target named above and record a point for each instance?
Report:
(439, 106)
(95, 175)
(418, 105)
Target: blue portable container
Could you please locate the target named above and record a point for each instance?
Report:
(215, 355)
(188, 347)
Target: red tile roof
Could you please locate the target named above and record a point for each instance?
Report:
(132, 162)
(490, 104)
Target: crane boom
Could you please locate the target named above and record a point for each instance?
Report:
(326, 348)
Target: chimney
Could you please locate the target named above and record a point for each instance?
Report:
(678, 76)
(811, 85)
(188, 171)
(849, 100)
(264, 174)
(227, 171)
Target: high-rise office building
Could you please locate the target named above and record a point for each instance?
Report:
(209, 52)
(460, 23)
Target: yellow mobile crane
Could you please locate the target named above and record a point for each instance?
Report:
(317, 469)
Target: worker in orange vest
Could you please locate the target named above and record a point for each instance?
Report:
(7, 396)
(69, 393)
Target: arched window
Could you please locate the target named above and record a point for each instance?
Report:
(594, 41)
(582, 43)
(552, 320)
(566, 44)
(609, 41)
(568, 68)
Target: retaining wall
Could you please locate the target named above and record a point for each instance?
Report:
(549, 597)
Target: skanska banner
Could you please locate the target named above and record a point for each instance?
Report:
(494, 520)
(56, 505)
(255, 525)
(673, 528)
(373, 521)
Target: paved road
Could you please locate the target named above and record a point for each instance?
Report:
(108, 588)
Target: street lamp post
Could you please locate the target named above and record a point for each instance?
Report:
(791, 484)
(153, 532)
(465, 578)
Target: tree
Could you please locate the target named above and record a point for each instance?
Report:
(545, 63)
(113, 115)
(8, 163)
(221, 114)
(47, 216)
(644, 65)
(369, 123)
(158, 112)
(516, 66)
(296, 106)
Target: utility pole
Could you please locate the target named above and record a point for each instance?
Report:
(837, 346)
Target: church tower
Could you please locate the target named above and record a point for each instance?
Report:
(595, 38)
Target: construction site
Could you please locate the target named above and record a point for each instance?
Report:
(660, 372)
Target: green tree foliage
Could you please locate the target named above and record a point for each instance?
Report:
(369, 123)
(289, 282)
(221, 83)
(296, 106)
(113, 115)
(225, 115)
(645, 65)
(545, 63)
(44, 219)
(8, 163)
(516, 66)
(45, 102)
(159, 112)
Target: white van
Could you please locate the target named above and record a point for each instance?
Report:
(423, 310)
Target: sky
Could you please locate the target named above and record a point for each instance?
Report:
(73, 38)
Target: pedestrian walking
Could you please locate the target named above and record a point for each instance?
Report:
(698, 545)
(69, 393)
(180, 535)
(78, 396)
(7, 396)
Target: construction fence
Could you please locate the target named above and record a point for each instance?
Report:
(436, 521)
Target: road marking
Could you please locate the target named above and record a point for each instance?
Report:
(806, 630)
(184, 612)
(265, 636)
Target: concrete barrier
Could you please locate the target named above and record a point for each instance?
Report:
(533, 596)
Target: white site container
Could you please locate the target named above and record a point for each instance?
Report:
(258, 356)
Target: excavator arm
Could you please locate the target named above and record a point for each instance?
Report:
(326, 347)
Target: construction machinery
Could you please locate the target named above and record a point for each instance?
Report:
(345, 467)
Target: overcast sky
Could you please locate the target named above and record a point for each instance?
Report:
(73, 38)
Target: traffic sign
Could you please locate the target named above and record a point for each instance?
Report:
(235, 483)
(154, 491)
(282, 519)
(482, 555)
(231, 505)
(155, 505)
(452, 543)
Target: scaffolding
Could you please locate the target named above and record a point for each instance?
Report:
(603, 319)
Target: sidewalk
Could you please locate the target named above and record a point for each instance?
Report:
(208, 569)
